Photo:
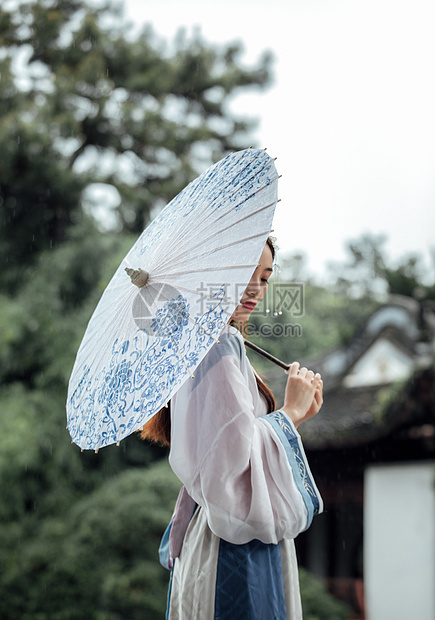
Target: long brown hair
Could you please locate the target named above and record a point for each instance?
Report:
(158, 428)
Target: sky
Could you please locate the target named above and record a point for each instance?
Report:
(350, 115)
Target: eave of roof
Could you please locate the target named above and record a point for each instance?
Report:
(357, 416)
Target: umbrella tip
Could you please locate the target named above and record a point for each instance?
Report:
(139, 277)
(96, 451)
(118, 444)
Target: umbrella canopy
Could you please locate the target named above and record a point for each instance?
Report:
(170, 298)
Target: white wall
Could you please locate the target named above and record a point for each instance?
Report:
(399, 542)
(382, 363)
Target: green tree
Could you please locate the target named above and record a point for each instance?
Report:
(368, 272)
(317, 603)
(310, 321)
(85, 108)
(97, 560)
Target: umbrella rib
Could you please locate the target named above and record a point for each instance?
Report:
(249, 214)
(200, 270)
(191, 249)
(93, 354)
(254, 173)
(218, 268)
(212, 207)
(202, 224)
(202, 293)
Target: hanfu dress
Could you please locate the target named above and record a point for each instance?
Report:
(248, 492)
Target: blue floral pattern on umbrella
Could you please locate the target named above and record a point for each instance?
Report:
(170, 320)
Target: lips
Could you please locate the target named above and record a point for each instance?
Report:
(249, 305)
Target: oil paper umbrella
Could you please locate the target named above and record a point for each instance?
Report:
(170, 298)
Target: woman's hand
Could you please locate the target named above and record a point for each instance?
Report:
(303, 394)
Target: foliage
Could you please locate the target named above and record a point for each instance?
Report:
(85, 107)
(87, 110)
(317, 603)
(385, 397)
(98, 130)
(307, 319)
(98, 560)
(41, 329)
(321, 321)
(367, 271)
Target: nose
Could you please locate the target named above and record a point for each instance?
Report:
(253, 287)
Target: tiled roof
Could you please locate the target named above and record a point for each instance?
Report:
(357, 415)
(351, 417)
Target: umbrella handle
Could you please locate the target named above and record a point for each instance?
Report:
(267, 355)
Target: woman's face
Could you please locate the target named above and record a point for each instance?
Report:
(256, 288)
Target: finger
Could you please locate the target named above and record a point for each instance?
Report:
(293, 369)
(303, 372)
(318, 395)
(319, 388)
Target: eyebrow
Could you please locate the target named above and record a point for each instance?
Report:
(266, 268)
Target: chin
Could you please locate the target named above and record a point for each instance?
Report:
(241, 315)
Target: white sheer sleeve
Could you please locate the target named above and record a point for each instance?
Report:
(242, 466)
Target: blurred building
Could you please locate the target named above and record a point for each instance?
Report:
(372, 453)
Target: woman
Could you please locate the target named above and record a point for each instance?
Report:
(248, 491)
